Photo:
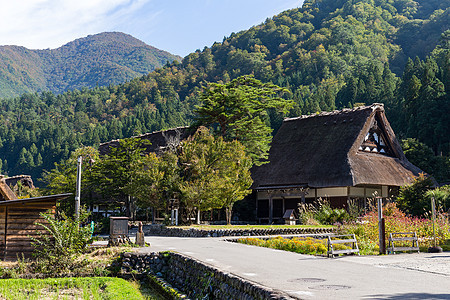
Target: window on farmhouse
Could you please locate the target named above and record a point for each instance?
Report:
(375, 141)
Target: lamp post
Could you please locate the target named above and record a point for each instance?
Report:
(78, 189)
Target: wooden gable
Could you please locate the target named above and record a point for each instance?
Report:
(376, 140)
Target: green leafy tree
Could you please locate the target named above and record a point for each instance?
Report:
(154, 180)
(145, 183)
(62, 178)
(215, 173)
(238, 110)
(423, 157)
(235, 182)
(412, 198)
(113, 173)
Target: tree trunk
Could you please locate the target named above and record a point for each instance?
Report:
(132, 208)
(127, 207)
(198, 216)
(153, 215)
(229, 213)
(190, 214)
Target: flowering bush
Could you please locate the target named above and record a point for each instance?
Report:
(366, 230)
(298, 245)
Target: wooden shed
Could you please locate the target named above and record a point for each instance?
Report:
(17, 224)
(351, 154)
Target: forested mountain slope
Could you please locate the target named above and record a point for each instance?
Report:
(101, 59)
(329, 53)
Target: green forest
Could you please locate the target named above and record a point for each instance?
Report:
(96, 60)
(328, 54)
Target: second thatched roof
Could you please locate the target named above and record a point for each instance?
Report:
(350, 147)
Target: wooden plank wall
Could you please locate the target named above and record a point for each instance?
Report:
(2, 230)
(20, 226)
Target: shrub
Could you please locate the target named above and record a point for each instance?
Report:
(412, 199)
(62, 241)
(307, 214)
(442, 197)
(366, 230)
(321, 212)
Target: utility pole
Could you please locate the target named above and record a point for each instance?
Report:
(435, 248)
(381, 227)
(78, 190)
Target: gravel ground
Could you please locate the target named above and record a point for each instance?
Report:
(437, 263)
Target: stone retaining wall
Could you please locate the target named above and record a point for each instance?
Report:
(196, 279)
(161, 230)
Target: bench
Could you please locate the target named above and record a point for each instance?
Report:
(396, 237)
(342, 239)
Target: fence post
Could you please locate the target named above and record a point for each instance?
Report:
(435, 248)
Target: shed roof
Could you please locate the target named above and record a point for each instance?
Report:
(323, 150)
(34, 199)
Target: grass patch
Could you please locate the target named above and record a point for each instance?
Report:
(148, 290)
(69, 288)
(219, 227)
(297, 244)
(99, 263)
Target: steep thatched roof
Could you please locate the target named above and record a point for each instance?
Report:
(159, 140)
(327, 150)
(25, 180)
(5, 192)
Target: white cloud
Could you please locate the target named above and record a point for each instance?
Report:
(177, 26)
(39, 24)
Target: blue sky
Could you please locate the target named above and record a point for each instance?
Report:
(177, 26)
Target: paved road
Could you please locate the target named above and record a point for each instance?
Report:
(401, 276)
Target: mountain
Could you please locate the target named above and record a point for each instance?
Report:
(330, 54)
(101, 59)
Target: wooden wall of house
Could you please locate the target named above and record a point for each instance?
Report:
(2, 230)
(18, 222)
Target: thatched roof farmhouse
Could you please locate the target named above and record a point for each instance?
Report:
(159, 140)
(339, 155)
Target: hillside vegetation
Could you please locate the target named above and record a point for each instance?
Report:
(97, 60)
(330, 54)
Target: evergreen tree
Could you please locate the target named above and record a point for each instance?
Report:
(239, 109)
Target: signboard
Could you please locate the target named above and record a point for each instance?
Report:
(118, 226)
